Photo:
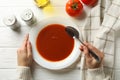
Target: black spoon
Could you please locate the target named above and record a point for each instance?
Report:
(74, 33)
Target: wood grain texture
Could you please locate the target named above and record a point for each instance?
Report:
(10, 40)
(42, 74)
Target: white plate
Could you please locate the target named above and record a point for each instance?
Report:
(39, 59)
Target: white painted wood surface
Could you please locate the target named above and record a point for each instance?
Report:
(10, 40)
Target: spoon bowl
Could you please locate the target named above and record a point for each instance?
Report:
(74, 33)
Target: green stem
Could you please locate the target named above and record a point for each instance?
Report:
(74, 6)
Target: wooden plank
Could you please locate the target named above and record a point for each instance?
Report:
(16, 2)
(29, 2)
(8, 58)
(42, 74)
(10, 38)
(8, 74)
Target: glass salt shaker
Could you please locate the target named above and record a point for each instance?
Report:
(28, 17)
(11, 22)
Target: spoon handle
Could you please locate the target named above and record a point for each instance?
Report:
(91, 52)
(94, 55)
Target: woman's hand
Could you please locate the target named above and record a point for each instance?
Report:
(24, 53)
(91, 62)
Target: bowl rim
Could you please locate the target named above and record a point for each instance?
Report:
(58, 65)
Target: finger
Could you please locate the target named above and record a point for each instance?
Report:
(86, 52)
(81, 48)
(29, 49)
(25, 41)
(91, 47)
(97, 52)
(88, 57)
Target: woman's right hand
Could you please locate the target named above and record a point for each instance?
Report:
(91, 62)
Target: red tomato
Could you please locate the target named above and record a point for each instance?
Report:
(90, 2)
(74, 8)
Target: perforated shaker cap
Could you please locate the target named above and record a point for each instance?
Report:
(27, 15)
(9, 20)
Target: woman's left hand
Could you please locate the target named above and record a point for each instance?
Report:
(24, 53)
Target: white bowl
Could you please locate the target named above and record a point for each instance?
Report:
(48, 64)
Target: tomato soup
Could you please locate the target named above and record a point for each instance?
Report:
(53, 43)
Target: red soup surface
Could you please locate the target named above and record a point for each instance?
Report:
(53, 43)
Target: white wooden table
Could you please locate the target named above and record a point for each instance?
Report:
(10, 40)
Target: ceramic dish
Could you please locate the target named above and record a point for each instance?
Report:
(48, 64)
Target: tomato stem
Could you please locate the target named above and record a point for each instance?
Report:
(74, 6)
